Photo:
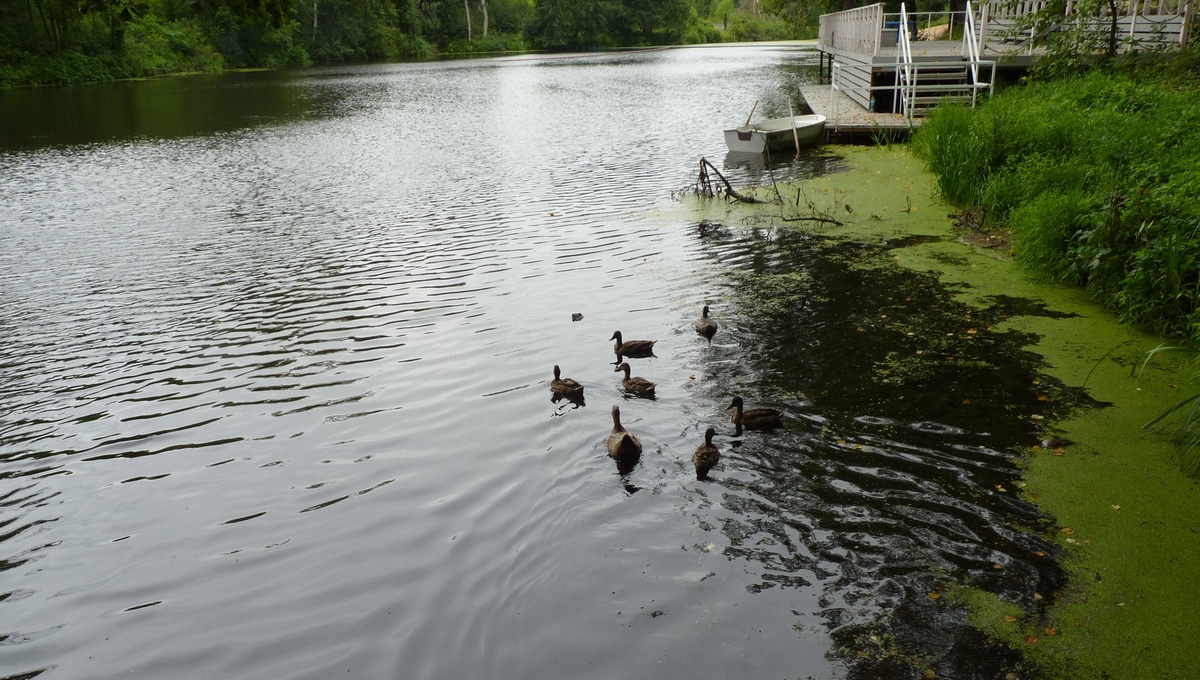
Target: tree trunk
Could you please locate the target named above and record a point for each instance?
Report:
(467, 6)
(483, 5)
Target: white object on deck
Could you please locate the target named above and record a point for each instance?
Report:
(775, 133)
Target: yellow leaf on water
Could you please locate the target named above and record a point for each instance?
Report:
(1116, 507)
(1051, 631)
(997, 566)
(1031, 640)
(841, 441)
(1010, 618)
(1039, 553)
(1068, 530)
(933, 596)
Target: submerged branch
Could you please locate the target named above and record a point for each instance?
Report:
(704, 184)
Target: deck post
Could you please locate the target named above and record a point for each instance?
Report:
(878, 31)
(983, 22)
(1187, 24)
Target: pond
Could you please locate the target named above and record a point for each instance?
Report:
(274, 389)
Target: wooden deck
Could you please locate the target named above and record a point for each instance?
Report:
(854, 122)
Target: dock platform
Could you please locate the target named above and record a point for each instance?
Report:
(854, 123)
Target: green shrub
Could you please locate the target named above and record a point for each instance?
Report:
(1096, 176)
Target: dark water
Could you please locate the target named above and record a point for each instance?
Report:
(274, 390)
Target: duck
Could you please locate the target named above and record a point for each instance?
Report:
(565, 386)
(633, 348)
(622, 444)
(706, 455)
(706, 326)
(755, 418)
(635, 385)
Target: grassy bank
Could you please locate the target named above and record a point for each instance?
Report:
(1125, 515)
(1095, 175)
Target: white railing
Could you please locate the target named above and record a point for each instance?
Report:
(971, 50)
(906, 72)
(1141, 23)
(854, 30)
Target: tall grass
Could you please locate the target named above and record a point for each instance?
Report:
(1097, 177)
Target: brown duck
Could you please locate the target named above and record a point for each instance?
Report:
(565, 386)
(755, 418)
(635, 385)
(706, 455)
(633, 348)
(622, 445)
(706, 326)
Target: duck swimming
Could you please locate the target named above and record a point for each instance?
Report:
(706, 455)
(706, 326)
(755, 418)
(622, 445)
(633, 348)
(634, 385)
(565, 386)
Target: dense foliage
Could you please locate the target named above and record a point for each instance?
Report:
(71, 41)
(1096, 176)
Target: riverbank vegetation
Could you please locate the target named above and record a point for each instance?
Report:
(1094, 175)
(55, 42)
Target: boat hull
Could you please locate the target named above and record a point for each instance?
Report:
(775, 134)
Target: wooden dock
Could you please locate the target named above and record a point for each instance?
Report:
(854, 123)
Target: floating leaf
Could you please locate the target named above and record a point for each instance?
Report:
(1039, 553)
(997, 566)
(1116, 507)
(933, 596)
(1035, 496)
(1068, 530)
(1059, 452)
(972, 331)
(1051, 631)
(1010, 618)
(1031, 640)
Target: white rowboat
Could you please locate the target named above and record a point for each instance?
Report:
(775, 133)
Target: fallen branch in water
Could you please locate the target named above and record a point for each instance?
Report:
(704, 184)
(813, 218)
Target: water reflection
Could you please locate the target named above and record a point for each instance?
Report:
(166, 108)
(895, 481)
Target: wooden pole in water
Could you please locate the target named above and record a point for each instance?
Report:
(751, 113)
(795, 135)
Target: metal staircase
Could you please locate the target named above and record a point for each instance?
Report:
(926, 82)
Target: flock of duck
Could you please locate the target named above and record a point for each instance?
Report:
(623, 446)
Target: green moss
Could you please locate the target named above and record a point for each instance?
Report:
(1129, 519)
